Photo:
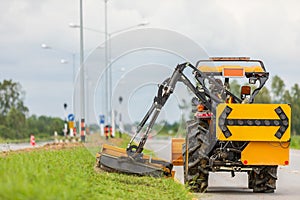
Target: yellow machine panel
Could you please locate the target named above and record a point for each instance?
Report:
(177, 143)
(253, 122)
(221, 68)
(266, 153)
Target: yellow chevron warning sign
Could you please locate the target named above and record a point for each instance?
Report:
(253, 122)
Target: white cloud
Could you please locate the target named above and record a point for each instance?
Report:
(269, 30)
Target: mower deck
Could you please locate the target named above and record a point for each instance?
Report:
(115, 159)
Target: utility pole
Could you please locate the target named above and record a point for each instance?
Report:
(82, 76)
(107, 70)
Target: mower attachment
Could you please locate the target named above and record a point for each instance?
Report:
(114, 159)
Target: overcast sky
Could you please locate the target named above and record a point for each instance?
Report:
(264, 29)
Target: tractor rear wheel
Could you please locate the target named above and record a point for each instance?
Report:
(194, 160)
(264, 179)
(250, 179)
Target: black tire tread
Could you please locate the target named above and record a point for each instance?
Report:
(263, 180)
(195, 161)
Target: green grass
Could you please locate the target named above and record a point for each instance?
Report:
(70, 174)
(295, 142)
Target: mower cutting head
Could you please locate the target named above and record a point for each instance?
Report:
(115, 159)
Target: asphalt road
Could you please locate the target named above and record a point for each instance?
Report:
(13, 147)
(221, 186)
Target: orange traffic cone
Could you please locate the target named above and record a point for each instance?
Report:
(32, 140)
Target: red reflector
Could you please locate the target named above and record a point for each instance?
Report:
(245, 162)
(233, 72)
(204, 115)
(286, 162)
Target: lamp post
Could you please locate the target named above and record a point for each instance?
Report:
(108, 73)
(64, 61)
(107, 94)
(82, 92)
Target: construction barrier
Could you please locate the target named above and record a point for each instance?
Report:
(111, 132)
(106, 131)
(55, 137)
(82, 130)
(32, 140)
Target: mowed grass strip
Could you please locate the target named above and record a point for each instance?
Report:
(70, 174)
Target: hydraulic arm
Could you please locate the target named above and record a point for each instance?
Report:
(164, 91)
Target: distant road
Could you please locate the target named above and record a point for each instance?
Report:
(13, 146)
(221, 186)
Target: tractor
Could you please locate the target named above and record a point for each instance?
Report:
(228, 133)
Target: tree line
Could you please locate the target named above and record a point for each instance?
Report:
(14, 120)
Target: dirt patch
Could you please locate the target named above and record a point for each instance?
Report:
(58, 146)
(96, 140)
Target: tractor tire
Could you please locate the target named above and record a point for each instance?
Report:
(194, 160)
(250, 179)
(263, 180)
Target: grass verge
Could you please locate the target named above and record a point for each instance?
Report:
(70, 174)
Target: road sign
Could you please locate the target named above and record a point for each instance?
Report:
(71, 124)
(102, 119)
(71, 117)
(253, 122)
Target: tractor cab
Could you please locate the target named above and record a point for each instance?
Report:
(217, 72)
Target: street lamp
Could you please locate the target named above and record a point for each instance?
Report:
(143, 23)
(44, 46)
(73, 25)
(82, 71)
(108, 76)
(107, 61)
(62, 61)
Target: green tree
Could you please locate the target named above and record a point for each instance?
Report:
(44, 125)
(278, 89)
(292, 97)
(55, 124)
(235, 88)
(295, 103)
(6, 132)
(263, 96)
(11, 95)
(287, 98)
(16, 121)
(12, 110)
(295, 91)
(31, 124)
(13, 113)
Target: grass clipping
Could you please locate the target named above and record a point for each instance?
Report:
(68, 173)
